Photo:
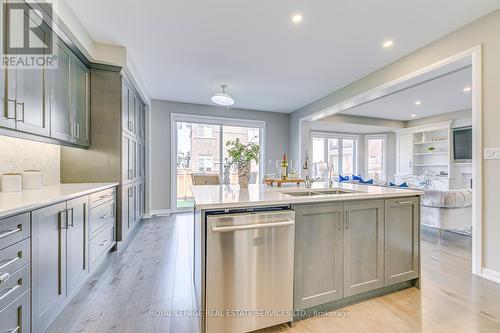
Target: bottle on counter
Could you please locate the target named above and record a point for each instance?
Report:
(284, 168)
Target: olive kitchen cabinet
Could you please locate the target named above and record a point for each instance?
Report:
(318, 255)
(402, 225)
(363, 240)
(48, 102)
(343, 249)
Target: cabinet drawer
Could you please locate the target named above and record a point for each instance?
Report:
(102, 241)
(102, 196)
(14, 257)
(14, 229)
(14, 285)
(16, 317)
(101, 215)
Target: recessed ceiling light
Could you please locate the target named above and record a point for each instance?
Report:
(467, 89)
(388, 43)
(418, 102)
(297, 18)
(413, 115)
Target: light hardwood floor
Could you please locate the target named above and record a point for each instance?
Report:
(154, 274)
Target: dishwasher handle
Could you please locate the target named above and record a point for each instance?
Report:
(275, 224)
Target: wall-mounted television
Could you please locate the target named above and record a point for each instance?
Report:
(462, 144)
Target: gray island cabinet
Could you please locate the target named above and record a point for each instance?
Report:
(354, 248)
(350, 243)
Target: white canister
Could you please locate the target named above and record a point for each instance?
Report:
(32, 179)
(12, 182)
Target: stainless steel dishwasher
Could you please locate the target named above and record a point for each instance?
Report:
(249, 270)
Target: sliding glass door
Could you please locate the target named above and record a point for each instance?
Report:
(199, 147)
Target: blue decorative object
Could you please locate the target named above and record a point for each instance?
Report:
(403, 185)
(369, 181)
(343, 179)
(358, 177)
(392, 184)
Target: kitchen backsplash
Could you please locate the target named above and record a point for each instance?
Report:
(17, 155)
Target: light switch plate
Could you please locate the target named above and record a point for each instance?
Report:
(492, 153)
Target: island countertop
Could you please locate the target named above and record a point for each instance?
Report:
(232, 196)
(12, 203)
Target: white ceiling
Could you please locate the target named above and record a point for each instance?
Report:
(440, 95)
(184, 49)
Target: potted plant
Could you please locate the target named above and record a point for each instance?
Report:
(242, 156)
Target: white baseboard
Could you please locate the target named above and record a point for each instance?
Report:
(491, 275)
(160, 212)
(147, 216)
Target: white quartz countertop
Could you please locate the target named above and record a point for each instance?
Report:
(232, 196)
(12, 203)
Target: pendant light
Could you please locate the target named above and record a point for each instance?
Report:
(223, 98)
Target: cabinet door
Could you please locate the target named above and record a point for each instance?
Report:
(132, 206)
(79, 98)
(15, 318)
(48, 264)
(363, 246)
(402, 239)
(59, 95)
(131, 112)
(132, 162)
(318, 255)
(125, 225)
(31, 113)
(8, 86)
(125, 106)
(77, 243)
(7, 116)
(405, 154)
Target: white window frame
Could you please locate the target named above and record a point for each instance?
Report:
(190, 118)
(382, 137)
(340, 137)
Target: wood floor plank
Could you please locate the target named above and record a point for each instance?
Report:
(142, 288)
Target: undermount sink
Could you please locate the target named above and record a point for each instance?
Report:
(303, 194)
(317, 192)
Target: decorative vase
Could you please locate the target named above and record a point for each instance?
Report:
(243, 173)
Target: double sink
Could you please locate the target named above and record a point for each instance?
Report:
(311, 193)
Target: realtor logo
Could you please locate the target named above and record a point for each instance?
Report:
(29, 40)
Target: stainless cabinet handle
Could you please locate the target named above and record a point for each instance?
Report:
(72, 217)
(103, 243)
(130, 174)
(130, 125)
(77, 130)
(4, 277)
(11, 232)
(20, 104)
(404, 202)
(105, 216)
(11, 290)
(104, 196)
(254, 226)
(63, 221)
(10, 261)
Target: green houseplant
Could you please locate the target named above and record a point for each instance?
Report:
(242, 155)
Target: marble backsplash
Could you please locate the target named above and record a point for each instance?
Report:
(17, 155)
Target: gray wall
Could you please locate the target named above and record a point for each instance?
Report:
(482, 32)
(276, 141)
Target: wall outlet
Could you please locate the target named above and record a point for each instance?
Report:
(492, 153)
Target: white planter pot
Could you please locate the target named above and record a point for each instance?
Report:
(243, 174)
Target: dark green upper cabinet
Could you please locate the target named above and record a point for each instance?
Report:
(52, 102)
(59, 94)
(79, 102)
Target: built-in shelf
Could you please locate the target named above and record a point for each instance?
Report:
(429, 154)
(430, 165)
(429, 142)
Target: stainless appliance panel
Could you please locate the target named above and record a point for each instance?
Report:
(249, 271)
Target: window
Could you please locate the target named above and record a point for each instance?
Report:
(205, 163)
(204, 131)
(337, 150)
(375, 146)
(199, 146)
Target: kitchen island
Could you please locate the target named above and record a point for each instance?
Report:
(265, 255)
